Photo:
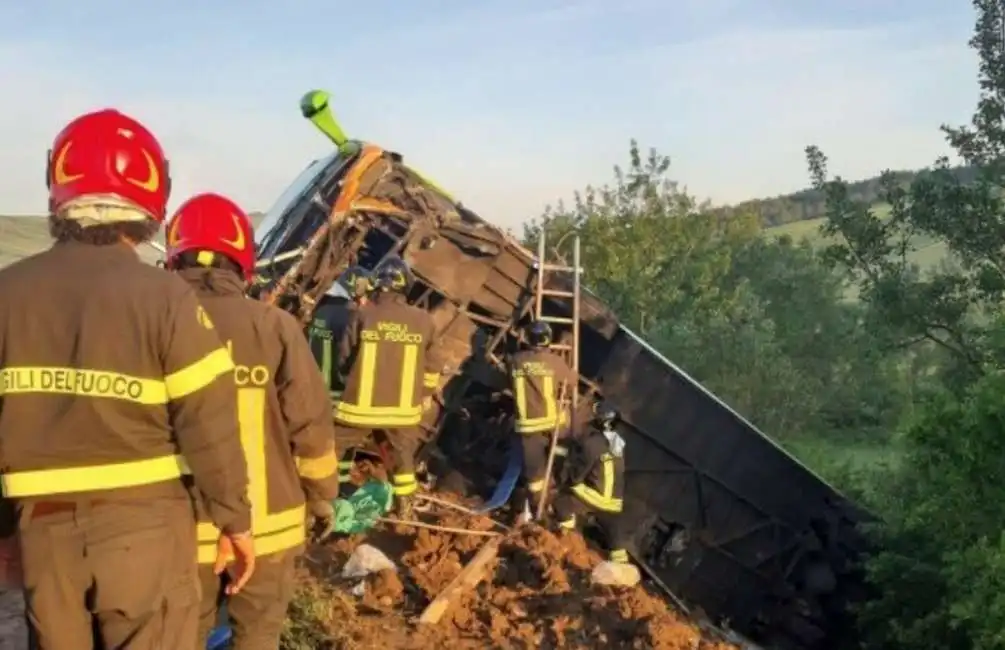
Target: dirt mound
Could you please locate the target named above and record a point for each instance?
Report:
(538, 595)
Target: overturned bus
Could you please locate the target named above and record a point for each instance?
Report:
(725, 518)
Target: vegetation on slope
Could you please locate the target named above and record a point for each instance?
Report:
(897, 396)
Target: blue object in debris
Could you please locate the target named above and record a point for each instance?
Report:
(504, 489)
(219, 638)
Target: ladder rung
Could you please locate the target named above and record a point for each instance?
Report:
(557, 267)
(555, 293)
(558, 319)
(561, 346)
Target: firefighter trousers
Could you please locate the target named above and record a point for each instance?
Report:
(256, 613)
(404, 444)
(571, 513)
(124, 571)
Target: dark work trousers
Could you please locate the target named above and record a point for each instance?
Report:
(124, 571)
(403, 445)
(571, 512)
(535, 459)
(258, 611)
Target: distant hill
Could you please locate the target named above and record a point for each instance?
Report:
(23, 236)
(798, 215)
(809, 204)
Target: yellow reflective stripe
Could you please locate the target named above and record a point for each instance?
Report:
(410, 360)
(608, 471)
(268, 525)
(520, 397)
(368, 364)
(593, 498)
(196, 376)
(377, 416)
(561, 451)
(54, 380)
(346, 464)
(404, 484)
(550, 407)
(536, 486)
(548, 421)
(405, 490)
(110, 476)
(604, 500)
(619, 555)
(363, 413)
(265, 544)
(534, 426)
(319, 468)
(568, 524)
(251, 417)
(84, 382)
(431, 379)
(273, 532)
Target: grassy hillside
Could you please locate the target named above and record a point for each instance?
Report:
(22, 236)
(927, 252)
(793, 215)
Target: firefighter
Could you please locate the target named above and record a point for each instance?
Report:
(592, 480)
(113, 385)
(537, 374)
(349, 292)
(285, 416)
(389, 373)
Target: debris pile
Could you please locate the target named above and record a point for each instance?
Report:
(536, 593)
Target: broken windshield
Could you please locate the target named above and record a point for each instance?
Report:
(274, 224)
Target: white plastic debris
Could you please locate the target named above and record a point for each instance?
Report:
(616, 574)
(366, 560)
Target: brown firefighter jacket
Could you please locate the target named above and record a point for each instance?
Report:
(537, 375)
(594, 470)
(285, 413)
(324, 333)
(387, 364)
(113, 384)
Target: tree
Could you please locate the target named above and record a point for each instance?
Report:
(761, 323)
(941, 568)
(952, 307)
(651, 251)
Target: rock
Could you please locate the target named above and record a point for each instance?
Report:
(616, 574)
(366, 560)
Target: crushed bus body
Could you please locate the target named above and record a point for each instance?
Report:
(725, 518)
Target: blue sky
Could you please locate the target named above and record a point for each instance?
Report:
(511, 104)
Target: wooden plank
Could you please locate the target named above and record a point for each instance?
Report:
(468, 578)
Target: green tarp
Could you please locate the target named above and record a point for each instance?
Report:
(360, 511)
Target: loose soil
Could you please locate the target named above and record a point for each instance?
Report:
(538, 596)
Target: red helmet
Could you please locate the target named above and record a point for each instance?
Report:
(210, 222)
(107, 152)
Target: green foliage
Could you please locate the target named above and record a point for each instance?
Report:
(940, 572)
(761, 322)
(811, 204)
(942, 567)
